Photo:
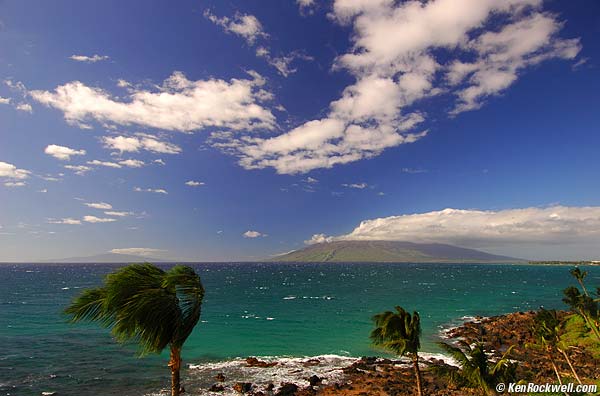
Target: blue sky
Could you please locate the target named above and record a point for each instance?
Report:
(294, 121)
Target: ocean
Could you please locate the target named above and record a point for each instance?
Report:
(284, 312)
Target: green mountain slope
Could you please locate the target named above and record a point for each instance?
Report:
(390, 252)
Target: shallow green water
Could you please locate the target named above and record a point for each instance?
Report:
(259, 309)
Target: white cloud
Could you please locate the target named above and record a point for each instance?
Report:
(98, 205)
(306, 6)
(244, 25)
(318, 238)
(25, 107)
(402, 54)
(310, 180)
(67, 221)
(94, 219)
(358, 186)
(4, 100)
(132, 163)
(283, 63)
(12, 172)
(140, 142)
(152, 190)
(89, 59)
(159, 162)
(118, 214)
(138, 251)
(61, 152)
(79, 169)
(106, 164)
(193, 183)
(485, 228)
(253, 234)
(43, 190)
(179, 104)
(14, 184)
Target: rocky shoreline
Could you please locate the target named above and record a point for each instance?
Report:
(371, 376)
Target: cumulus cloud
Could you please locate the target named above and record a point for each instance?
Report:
(94, 219)
(62, 153)
(283, 63)
(318, 238)
(4, 100)
(306, 6)
(244, 25)
(140, 142)
(106, 164)
(15, 184)
(178, 104)
(193, 183)
(78, 169)
(132, 163)
(67, 221)
(98, 205)
(24, 107)
(152, 190)
(118, 214)
(402, 54)
(89, 59)
(253, 234)
(138, 251)
(486, 228)
(10, 171)
(358, 186)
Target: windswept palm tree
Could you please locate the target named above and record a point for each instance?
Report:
(580, 276)
(145, 304)
(400, 332)
(546, 329)
(584, 305)
(476, 369)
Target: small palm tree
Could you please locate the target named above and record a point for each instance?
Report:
(143, 303)
(546, 329)
(476, 369)
(580, 276)
(585, 306)
(400, 332)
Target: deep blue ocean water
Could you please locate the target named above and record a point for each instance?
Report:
(250, 309)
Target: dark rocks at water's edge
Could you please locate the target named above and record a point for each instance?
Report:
(372, 376)
(254, 362)
(499, 333)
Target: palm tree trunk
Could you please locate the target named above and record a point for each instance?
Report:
(418, 374)
(556, 371)
(589, 323)
(583, 286)
(570, 365)
(175, 365)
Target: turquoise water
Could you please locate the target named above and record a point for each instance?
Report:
(259, 309)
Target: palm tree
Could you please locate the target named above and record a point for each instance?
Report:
(400, 332)
(585, 306)
(546, 329)
(143, 303)
(476, 370)
(580, 276)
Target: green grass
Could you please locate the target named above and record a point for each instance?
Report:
(578, 335)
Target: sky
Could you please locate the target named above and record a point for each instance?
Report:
(239, 130)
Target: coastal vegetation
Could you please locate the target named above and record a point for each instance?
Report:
(145, 304)
(400, 332)
(476, 369)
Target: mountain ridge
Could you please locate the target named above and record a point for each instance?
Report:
(390, 252)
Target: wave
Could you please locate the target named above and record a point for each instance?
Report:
(285, 369)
